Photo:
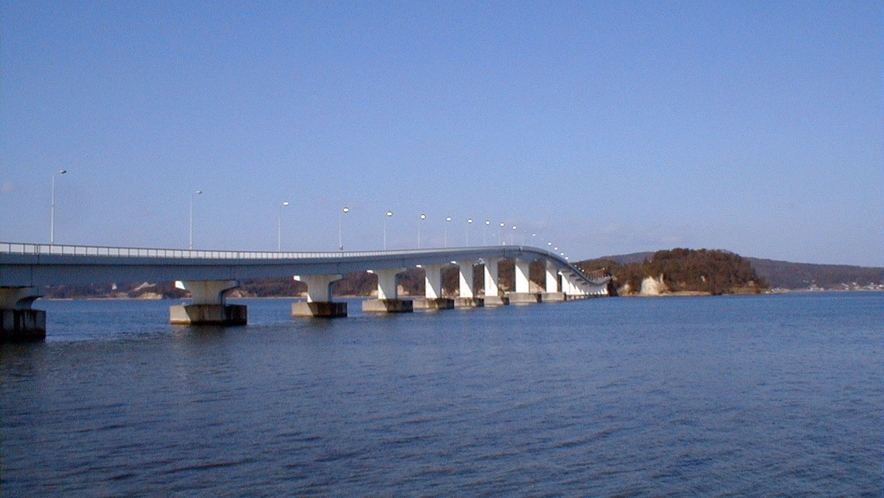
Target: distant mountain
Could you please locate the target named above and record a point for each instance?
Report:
(785, 275)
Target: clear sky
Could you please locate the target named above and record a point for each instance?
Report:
(603, 127)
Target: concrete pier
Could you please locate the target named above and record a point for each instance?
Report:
(18, 322)
(319, 309)
(387, 306)
(319, 303)
(493, 301)
(553, 297)
(208, 314)
(439, 303)
(492, 286)
(523, 283)
(523, 297)
(388, 300)
(208, 307)
(23, 325)
(469, 302)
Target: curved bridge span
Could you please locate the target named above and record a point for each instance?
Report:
(26, 268)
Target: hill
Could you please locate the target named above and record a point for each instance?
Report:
(806, 276)
(680, 270)
(782, 274)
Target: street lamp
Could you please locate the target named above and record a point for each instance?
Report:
(423, 217)
(469, 224)
(485, 232)
(279, 226)
(389, 213)
(513, 237)
(501, 239)
(445, 239)
(198, 192)
(52, 208)
(344, 210)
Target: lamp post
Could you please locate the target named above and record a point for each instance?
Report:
(344, 210)
(198, 192)
(469, 224)
(421, 222)
(279, 226)
(445, 238)
(389, 214)
(52, 208)
(485, 232)
(513, 238)
(501, 239)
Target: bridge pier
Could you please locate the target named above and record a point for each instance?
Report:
(466, 297)
(433, 299)
(492, 284)
(387, 301)
(319, 303)
(523, 294)
(551, 288)
(19, 321)
(208, 307)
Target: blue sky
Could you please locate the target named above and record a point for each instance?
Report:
(603, 127)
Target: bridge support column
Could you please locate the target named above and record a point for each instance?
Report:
(387, 301)
(567, 287)
(466, 297)
(433, 299)
(492, 285)
(19, 321)
(208, 307)
(523, 294)
(319, 303)
(552, 294)
(577, 288)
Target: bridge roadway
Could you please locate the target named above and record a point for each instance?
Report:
(27, 268)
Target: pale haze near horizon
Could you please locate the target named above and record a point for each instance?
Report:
(604, 128)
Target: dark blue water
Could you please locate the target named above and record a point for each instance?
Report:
(755, 395)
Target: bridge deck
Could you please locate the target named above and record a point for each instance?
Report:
(34, 265)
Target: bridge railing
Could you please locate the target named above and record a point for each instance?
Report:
(130, 252)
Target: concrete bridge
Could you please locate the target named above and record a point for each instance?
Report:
(25, 269)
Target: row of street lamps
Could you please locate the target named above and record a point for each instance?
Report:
(501, 237)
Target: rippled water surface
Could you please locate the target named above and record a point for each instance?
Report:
(755, 395)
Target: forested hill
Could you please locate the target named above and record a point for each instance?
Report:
(682, 270)
(777, 274)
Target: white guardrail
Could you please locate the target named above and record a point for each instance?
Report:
(131, 252)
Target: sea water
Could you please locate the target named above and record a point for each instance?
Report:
(726, 395)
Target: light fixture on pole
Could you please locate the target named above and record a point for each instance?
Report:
(344, 210)
(279, 226)
(389, 213)
(198, 192)
(485, 233)
(501, 238)
(52, 208)
(513, 237)
(445, 239)
(469, 224)
(423, 217)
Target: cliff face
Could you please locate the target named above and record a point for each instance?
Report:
(653, 286)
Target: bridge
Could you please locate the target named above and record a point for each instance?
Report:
(25, 269)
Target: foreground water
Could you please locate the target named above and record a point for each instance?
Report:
(753, 395)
